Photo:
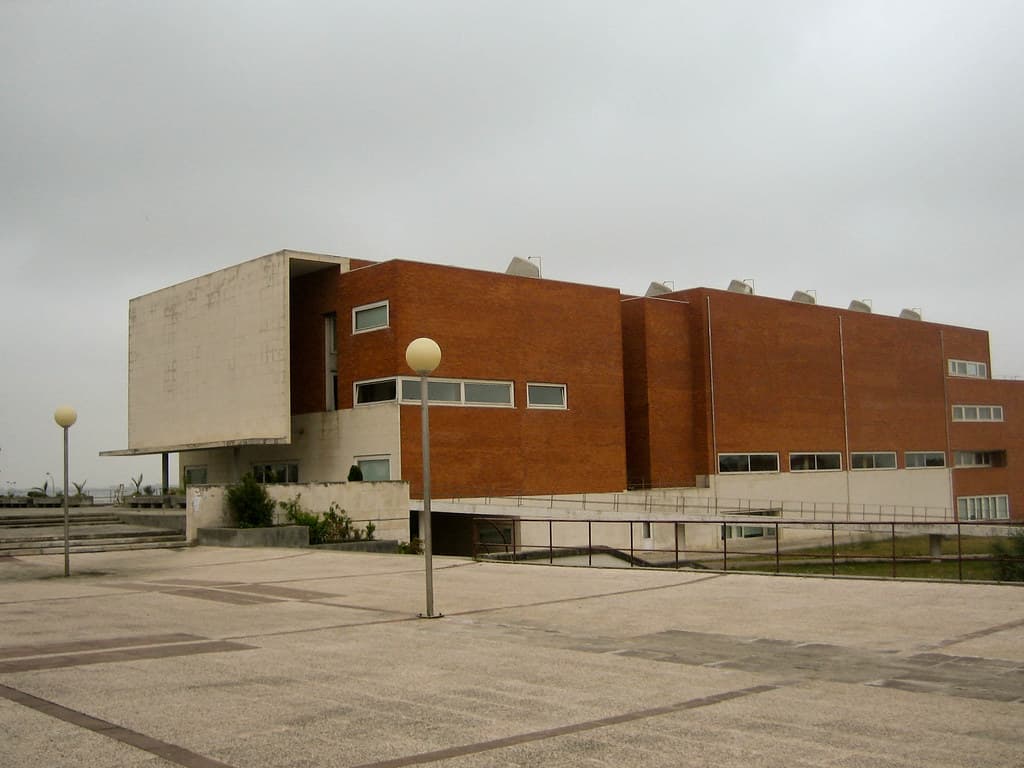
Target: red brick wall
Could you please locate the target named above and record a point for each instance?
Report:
(489, 326)
(1007, 435)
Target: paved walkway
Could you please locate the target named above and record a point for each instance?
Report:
(212, 657)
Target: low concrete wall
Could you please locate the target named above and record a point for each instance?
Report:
(385, 504)
(277, 536)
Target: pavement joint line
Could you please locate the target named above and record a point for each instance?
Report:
(573, 728)
(584, 597)
(306, 630)
(62, 661)
(985, 632)
(104, 644)
(171, 752)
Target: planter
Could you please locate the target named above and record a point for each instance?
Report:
(276, 536)
(383, 546)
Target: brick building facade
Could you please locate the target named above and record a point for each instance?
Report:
(554, 387)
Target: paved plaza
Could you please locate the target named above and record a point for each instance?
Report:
(209, 657)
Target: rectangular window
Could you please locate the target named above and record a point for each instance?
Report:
(456, 392)
(815, 462)
(374, 467)
(331, 361)
(488, 393)
(375, 391)
(545, 396)
(983, 507)
(748, 462)
(282, 472)
(875, 460)
(968, 368)
(977, 413)
(195, 476)
(370, 317)
(979, 459)
(923, 459)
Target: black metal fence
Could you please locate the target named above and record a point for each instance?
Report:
(961, 551)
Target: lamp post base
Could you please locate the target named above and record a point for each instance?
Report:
(435, 616)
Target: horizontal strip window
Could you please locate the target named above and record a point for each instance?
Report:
(979, 459)
(968, 368)
(381, 391)
(977, 413)
(815, 462)
(748, 462)
(983, 507)
(485, 394)
(370, 317)
(283, 472)
(546, 396)
(924, 459)
(873, 460)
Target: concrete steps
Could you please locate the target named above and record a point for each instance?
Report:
(42, 533)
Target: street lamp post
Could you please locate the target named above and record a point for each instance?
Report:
(423, 356)
(65, 416)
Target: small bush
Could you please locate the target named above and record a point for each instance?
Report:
(413, 547)
(250, 505)
(333, 525)
(1009, 565)
(355, 473)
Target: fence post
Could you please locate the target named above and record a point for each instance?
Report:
(551, 548)
(893, 530)
(959, 553)
(833, 526)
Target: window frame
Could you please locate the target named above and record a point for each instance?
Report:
(367, 307)
(462, 401)
(816, 454)
(373, 457)
(908, 454)
(976, 409)
(288, 465)
(748, 470)
(548, 406)
(980, 369)
(853, 468)
(988, 502)
(357, 384)
(989, 459)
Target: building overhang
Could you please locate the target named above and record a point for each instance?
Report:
(181, 447)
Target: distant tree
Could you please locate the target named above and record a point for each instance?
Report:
(1010, 558)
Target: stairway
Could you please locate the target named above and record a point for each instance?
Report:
(100, 529)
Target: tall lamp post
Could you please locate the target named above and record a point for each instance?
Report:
(65, 416)
(423, 356)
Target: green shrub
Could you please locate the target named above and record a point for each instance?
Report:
(250, 505)
(413, 547)
(355, 473)
(1009, 565)
(332, 525)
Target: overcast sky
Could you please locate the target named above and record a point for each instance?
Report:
(860, 148)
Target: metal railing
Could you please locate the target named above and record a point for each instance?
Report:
(682, 505)
(964, 551)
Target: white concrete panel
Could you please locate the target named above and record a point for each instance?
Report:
(323, 444)
(208, 359)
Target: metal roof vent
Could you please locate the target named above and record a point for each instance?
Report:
(738, 286)
(803, 297)
(657, 289)
(860, 306)
(911, 314)
(522, 268)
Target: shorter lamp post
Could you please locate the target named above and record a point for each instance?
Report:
(65, 416)
(423, 356)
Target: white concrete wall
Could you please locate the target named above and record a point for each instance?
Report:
(324, 444)
(386, 504)
(208, 358)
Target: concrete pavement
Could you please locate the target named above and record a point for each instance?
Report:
(212, 657)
